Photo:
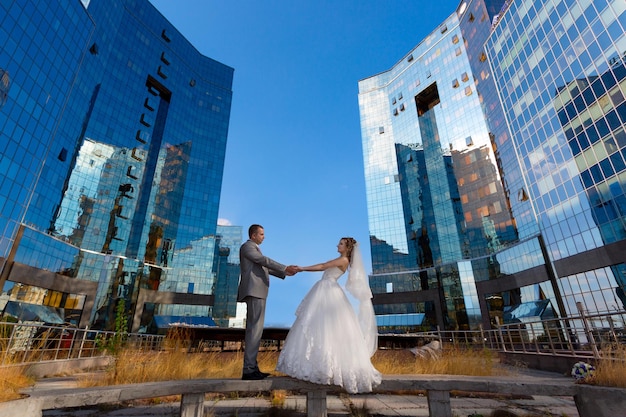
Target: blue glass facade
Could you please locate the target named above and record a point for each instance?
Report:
(495, 166)
(560, 70)
(450, 238)
(110, 182)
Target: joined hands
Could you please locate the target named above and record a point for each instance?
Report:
(293, 270)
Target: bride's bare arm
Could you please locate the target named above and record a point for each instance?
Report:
(340, 262)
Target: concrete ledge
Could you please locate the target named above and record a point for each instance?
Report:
(44, 369)
(517, 385)
(591, 401)
(546, 362)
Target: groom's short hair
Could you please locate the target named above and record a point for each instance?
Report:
(253, 229)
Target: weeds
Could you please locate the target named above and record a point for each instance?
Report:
(611, 371)
(12, 378)
(278, 397)
(113, 344)
(12, 381)
(452, 362)
(175, 362)
(134, 366)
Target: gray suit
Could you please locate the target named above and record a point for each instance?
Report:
(253, 289)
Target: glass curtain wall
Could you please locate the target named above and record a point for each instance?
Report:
(560, 70)
(128, 137)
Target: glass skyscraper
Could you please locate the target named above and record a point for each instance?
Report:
(561, 74)
(475, 217)
(115, 131)
(435, 194)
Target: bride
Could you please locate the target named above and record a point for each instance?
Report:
(328, 344)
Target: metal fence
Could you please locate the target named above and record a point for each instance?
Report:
(33, 342)
(595, 336)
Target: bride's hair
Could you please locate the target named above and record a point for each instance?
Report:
(350, 242)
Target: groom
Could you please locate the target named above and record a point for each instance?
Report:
(253, 289)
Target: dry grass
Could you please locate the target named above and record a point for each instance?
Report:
(132, 366)
(12, 380)
(611, 372)
(138, 366)
(451, 362)
(278, 398)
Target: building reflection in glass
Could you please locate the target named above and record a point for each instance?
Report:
(451, 218)
(114, 163)
(562, 83)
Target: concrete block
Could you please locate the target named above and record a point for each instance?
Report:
(594, 401)
(25, 407)
(439, 403)
(192, 405)
(316, 403)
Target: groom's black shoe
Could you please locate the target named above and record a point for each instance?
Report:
(265, 374)
(253, 376)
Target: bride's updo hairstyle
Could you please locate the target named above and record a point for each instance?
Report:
(350, 242)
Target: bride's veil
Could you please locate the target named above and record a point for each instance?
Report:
(358, 285)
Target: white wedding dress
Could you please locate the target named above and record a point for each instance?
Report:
(325, 344)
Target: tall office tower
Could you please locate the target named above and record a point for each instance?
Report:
(115, 132)
(561, 76)
(495, 167)
(454, 240)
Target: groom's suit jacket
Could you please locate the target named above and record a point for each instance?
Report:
(255, 271)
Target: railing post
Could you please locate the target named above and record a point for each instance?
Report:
(532, 330)
(590, 337)
(58, 346)
(551, 342)
(572, 338)
(82, 342)
(9, 344)
(500, 335)
(316, 404)
(612, 326)
(439, 336)
(482, 336)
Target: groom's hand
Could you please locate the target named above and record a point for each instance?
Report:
(291, 270)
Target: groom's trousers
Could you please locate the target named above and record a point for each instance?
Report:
(255, 320)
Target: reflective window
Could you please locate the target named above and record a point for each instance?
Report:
(129, 195)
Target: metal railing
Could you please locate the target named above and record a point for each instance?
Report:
(594, 336)
(33, 342)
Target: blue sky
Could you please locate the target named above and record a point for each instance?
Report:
(294, 160)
